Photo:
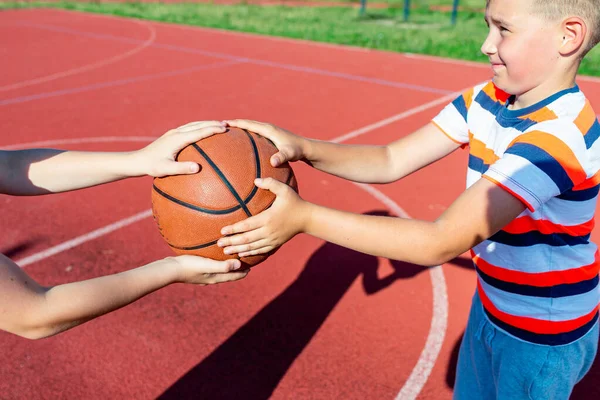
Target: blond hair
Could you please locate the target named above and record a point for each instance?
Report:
(588, 10)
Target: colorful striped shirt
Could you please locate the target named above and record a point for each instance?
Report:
(537, 277)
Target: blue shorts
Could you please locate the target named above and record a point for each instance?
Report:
(495, 365)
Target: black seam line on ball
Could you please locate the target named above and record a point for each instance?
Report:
(255, 148)
(198, 247)
(257, 164)
(193, 207)
(223, 178)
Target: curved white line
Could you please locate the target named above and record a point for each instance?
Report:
(69, 244)
(87, 67)
(437, 330)
(435, 339)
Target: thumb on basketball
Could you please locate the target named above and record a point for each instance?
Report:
(278, 158)
(272, 185)
(177, 168)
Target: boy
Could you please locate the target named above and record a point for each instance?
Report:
(533, 330)
(32, 311)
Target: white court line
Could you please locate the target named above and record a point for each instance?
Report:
(69, 244)
(439, 320)
(437, 331)
(120, 82)
(62, 142)
(395, 118)
(87, 67)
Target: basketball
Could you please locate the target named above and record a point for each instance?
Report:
(190, 210)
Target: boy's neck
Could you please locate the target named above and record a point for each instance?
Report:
(543, 91)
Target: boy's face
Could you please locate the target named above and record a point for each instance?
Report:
(520, 45)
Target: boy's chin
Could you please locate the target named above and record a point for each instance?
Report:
(501, 84)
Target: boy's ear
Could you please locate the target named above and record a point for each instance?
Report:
(574, 31)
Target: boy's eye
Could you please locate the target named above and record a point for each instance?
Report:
(503, 29)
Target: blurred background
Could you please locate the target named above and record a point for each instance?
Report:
(447, 28)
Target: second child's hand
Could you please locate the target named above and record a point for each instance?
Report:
(291, 147)
(271, 228)
(158, 158)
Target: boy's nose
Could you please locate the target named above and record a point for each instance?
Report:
(488, 47)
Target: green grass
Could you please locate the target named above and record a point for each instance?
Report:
(425, 33)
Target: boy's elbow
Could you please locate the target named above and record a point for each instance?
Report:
(440, 257)
(433, 259)
(34, 327)
(444, 249)
(35, 332)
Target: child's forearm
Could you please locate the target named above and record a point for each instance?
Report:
(381, 164)
(477, 214)
(42, 171)
(408, 240)
(358, 163)
(66, 306)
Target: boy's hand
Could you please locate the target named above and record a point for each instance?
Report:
(158, 158)
(291, 147)
(271, 228)
(204, 271)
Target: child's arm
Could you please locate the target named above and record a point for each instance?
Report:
(32, 311)
(477, 214)
(359, 163)
(41, 171)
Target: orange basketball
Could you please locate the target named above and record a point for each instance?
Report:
(190, 210)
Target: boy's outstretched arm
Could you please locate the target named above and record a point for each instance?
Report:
(32, 311)
(358, 163)
(42, 171)
(477, 214)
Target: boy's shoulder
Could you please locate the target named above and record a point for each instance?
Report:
(568, 115)
(566, 108)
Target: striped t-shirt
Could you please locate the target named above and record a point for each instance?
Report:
(538, 276)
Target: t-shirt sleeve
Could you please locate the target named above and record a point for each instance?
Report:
(541, 164)
(452, 120)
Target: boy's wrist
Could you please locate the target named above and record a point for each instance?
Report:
(169, 270)
(134, 164)
(305, 216)
(308, 149)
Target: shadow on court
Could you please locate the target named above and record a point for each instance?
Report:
(16, 250)
(588, 388)
(251, 363)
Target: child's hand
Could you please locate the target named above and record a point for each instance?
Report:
(291, 147)
(204, 271)
(271, 228)
(158, 158)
